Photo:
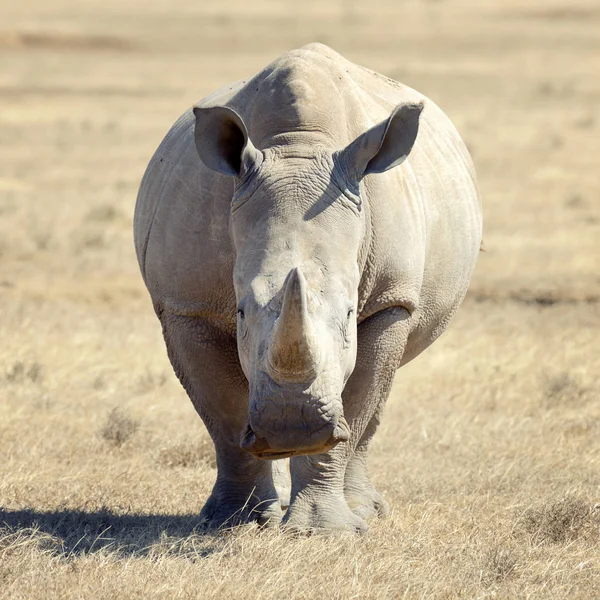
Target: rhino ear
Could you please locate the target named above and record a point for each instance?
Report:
(385, 145)
(222, 141)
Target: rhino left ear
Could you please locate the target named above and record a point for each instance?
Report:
(385, 145)
(223, 142)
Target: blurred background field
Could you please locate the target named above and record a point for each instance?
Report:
(489, 452)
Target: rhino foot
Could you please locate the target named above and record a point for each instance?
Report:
(308, 514)
(362, 497)
(229, 508)
(367, 502)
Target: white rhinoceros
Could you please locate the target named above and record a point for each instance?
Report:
(303, 234)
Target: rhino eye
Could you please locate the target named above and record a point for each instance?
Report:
(240, 313)
(350, 313)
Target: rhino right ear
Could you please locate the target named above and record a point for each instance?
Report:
(222, 141)
(385, 145)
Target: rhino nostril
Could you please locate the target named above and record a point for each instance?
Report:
(248, 438)
(251, 443)
(341, 432)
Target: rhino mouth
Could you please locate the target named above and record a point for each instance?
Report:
(318, 442)
(286, 454)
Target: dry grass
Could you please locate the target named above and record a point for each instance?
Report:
(119, 427)
(562, 521)
(489, 450)
(190, 454)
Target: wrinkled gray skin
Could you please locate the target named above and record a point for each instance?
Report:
(303, 234)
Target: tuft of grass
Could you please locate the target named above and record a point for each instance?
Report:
(99, 383)
(92, 240)
(576, 201)
(192, 547)
(119, 427)
(586, 122)
(149, 381)
(499, 564)
(13, 540)
(22, 372)
(104, 213)
(42, 240)
(562, 390)
(561, 521)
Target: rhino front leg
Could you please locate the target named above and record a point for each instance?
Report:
(361, 495)
(317, 499)
(333, 490)
(382, 339)
(242, 493)
(205, 360)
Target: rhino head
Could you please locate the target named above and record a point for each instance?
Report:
(301, 237)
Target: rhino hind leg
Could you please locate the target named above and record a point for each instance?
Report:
(205, 361)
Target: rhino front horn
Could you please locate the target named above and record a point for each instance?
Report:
(294, 353)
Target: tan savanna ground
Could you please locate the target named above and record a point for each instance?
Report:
(490, 449)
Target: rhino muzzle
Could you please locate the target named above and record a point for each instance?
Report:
(296, 442)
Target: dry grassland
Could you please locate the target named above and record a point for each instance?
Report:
(489, 452)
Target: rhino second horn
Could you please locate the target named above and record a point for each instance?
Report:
(294, 353)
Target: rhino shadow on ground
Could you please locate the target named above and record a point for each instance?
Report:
(76, 532)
